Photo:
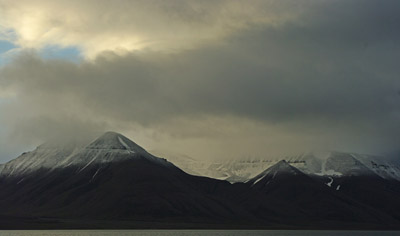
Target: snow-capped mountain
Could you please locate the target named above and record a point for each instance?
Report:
(109, 147)
(315, 163)
(112, 178)
(345, 164)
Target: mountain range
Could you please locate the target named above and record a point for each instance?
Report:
(114, 183)
(314, 163)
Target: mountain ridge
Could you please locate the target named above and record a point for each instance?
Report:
(113, 179)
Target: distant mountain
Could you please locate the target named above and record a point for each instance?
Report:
(114, 183)
(322, 164)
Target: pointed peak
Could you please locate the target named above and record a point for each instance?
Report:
(113, 140)
(282, 166)
(282, 162)
(109, 135)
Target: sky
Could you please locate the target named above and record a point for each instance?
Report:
(207, 79)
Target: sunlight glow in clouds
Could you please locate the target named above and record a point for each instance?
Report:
(119, 26)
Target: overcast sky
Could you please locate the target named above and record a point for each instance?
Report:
(208, 79)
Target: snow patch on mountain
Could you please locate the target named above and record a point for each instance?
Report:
(330, 182)
(44, 156)
(125, 145)
(383, 167)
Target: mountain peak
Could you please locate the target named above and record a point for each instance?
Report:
(113, 140)
(281, 168)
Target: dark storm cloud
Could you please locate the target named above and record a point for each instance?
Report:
(330, 77)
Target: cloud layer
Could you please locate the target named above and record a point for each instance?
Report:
(211, 79)
(123, 25)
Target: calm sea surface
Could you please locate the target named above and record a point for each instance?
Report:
(189, 232)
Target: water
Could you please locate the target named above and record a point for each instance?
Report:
(190, 233)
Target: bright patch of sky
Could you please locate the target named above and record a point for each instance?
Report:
(5, 47)
(8, 50)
